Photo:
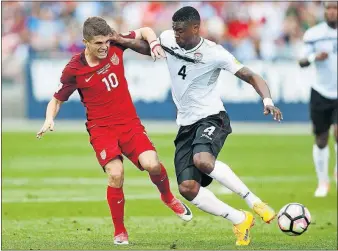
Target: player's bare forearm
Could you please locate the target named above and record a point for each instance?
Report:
(137, 45)
(146, 33)
(255, 80)
(53, 108)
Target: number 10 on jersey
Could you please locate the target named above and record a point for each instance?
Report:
(110, 81)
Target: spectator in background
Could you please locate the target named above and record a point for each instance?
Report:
(14, 42)
(249, 30)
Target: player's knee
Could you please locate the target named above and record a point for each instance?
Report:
(203, 163)
(189, 189)
(115, 175)
(154, 168)
(150, 162)
(322, 140)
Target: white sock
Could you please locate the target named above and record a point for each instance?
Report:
(224, 175)
(208, 202)
(321, 161)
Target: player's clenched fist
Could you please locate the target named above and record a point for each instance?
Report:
(48, 125)
(156, 50)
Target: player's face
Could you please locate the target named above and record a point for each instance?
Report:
(331, 12)
(98, 46)
(184, 32)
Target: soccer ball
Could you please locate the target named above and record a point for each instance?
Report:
(294, 219)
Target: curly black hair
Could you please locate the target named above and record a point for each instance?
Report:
(186, 13)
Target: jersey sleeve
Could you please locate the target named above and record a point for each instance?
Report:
(66, 87)
(130, 34)
(308, 46)
(227, 61)
(166, 37)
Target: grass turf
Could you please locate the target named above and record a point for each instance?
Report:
(53, 196)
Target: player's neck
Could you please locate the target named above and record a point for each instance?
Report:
(193, 43)
(91, 61)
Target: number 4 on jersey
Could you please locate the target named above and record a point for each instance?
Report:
(181, 72)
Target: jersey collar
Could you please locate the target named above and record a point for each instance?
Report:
(196, 47)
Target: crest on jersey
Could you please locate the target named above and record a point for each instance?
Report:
(115, 59)
(103, 154)
(198, 57)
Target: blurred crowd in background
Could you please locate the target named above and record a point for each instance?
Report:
(249, 30)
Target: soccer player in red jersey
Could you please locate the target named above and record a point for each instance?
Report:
(112, 123)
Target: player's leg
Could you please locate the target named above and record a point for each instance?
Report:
(205, 152)
(321, 115)
(149, 161)
(115, 198)
(109, 155)
(189, 180)
(136, 145)
(335, 174)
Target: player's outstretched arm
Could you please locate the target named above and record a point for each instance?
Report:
(304, 62)
(262, 89)
(52, 110)
(147, 34)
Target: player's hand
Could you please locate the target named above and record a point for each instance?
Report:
(156, 50)
(48, 125)
(321, 56)
(114, 36)
(274, 111)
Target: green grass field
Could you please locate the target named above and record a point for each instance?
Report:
(53, 196)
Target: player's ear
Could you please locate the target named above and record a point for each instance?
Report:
(85, 42)
(196, 28)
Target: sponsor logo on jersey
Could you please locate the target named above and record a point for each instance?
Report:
(104, 69)
(103, 154)
(198, 57)
(87, 79)
(206, 136)
(115, 59)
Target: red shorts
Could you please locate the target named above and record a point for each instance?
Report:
(112, 141)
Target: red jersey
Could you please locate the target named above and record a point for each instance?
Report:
(103, 88)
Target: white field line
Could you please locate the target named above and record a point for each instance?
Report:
(97, 193)
(163, 127)
(136, 181)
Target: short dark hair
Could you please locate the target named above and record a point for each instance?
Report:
(186, 13)
(95, 26)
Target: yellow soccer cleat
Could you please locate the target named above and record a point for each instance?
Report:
(242, 230)
(264, 211)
